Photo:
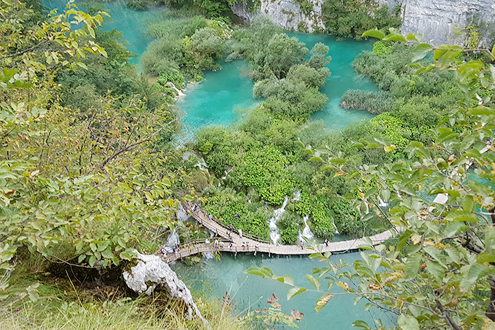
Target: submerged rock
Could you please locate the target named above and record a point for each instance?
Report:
(151, 272)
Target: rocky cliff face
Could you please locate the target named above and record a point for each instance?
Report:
(286, 13)
(437, 20)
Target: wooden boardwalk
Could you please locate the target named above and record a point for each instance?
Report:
(232, 242)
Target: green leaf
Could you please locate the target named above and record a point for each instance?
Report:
(408, 322)
(107, 254)
(481, 111)
(360, 324)
(294, 292)
(412, 265)
(374, 34)
(81, 258)
(438, 53)
(255, 271)
(395, 37)
(314, 281)
(475, 272)
(453, 228)
(435, 254)
(411, 36)
(103, 246)
(485, 257)
(468, 203)
(322, 301)
(435, 270)
(420, 51)
(287, 279)
(92, 261)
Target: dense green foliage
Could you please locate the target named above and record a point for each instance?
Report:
(138, 5)
(76, 187)
(350, 18)
(252, 217)
(373, 102)
(188, 45)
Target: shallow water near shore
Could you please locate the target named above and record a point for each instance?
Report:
(250, 292)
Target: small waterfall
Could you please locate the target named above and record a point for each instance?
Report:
(297, 196)
(202, 165)
(208, 255)
(274, 235)
(306, 231)
(334, 226)
(172, 240)
(181, 214)
(178, 91)
(381, 203)
(226, 173)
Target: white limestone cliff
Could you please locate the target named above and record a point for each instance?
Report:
(286, 14)
(437, 20)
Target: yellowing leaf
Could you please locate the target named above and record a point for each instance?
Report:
(339, 174)
(416, 239)
(389, 148)
(344, 286)
(322, 301)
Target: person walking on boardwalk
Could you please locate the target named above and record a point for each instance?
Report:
(240, 232)
(326, 242)
(231, 227)
(302, 245)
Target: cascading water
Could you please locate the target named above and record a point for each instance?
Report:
(306, 231)
(277, 214)
(334, 226)
(181, 214)
(202, 165)
(179, 92)
(297, 196)
(381, 203)
(172, 240)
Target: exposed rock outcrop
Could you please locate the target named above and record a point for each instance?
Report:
(152, 272)
(286, 13)
(437, 20)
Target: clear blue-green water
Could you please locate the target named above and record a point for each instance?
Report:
(214, 101)
(218, 98)
(249, 292)
(133, 24)
(341, 79)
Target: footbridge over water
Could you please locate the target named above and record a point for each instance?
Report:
(233, 242)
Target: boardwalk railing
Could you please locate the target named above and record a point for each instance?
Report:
(202, 215)
(236, 244)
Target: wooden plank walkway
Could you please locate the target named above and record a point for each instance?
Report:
(232, 242)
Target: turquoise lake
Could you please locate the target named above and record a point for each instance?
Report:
(215, 101)
(133, 24)
(249, 292)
